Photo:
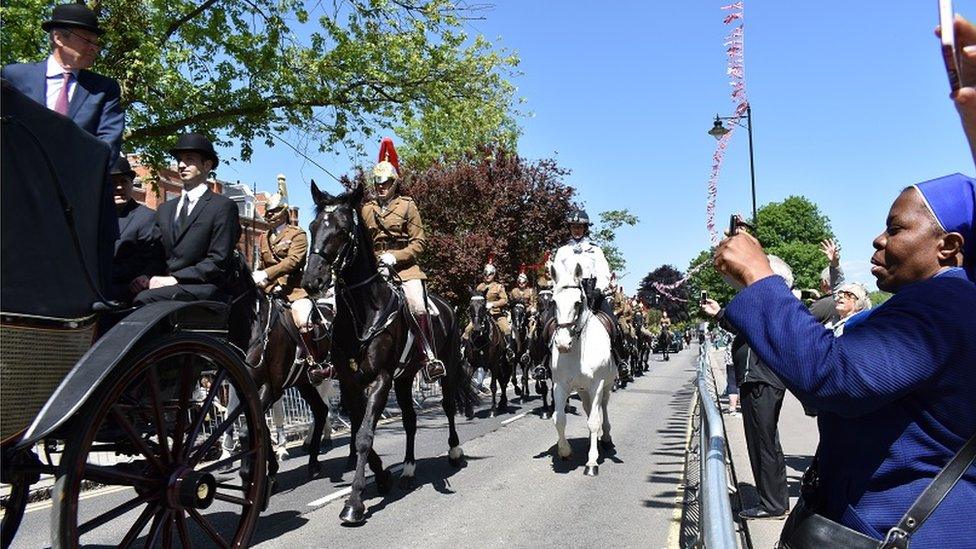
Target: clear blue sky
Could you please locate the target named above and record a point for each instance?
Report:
(850, 105)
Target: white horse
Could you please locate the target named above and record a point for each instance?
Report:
(581, 361)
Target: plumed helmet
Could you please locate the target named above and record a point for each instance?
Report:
(73, 16)
(522, 277)
(388, 166)
(489, 269)
(196, 143)
(578, 217)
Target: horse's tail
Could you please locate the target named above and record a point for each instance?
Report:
(461, 372)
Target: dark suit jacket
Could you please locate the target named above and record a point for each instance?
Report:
(95, 105)
(203, 251)
(139, 249)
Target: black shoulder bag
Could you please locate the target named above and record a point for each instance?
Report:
(805, 529)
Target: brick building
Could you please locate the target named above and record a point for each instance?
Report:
(250, 205)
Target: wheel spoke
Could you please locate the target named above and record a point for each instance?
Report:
(207, 527)
(181, 528)
(232, 499)
(135, 438)
(229, 486)
(181, 414)
(118, 512)
(220, 430)
(204, 408)
(157, 408)
(218, 464)
(113, 476)
(157, 526)
(168, 531)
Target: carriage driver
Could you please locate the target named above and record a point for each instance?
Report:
(496, 301)
(394, 223)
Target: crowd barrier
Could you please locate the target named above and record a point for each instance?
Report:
(716, 527)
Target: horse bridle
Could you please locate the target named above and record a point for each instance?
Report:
(574, 326)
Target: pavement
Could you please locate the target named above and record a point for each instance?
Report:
(512, 491)
(798, 436)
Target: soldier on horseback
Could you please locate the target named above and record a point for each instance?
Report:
(597, 285)
(496, 300)
(525, 294)
(394, 224)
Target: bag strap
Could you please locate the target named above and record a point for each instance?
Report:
(930, 498)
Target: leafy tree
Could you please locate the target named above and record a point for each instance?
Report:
(665, 274)
(253, 70)
(488, 203)
(606, 233)
(792, 230)
(878, 297)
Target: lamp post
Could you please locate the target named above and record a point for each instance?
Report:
(718, 130)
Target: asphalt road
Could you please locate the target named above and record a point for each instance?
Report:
(512, 490)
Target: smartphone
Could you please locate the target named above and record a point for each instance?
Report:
(734, 222)
(704, 297)
(950, 55)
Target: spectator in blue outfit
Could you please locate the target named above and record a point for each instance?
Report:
(895, 392)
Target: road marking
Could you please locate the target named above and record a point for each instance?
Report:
(348, 489)
(511, 419)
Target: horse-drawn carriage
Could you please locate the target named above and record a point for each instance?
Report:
(127, 408)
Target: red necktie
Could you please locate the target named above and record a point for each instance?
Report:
(61, 105)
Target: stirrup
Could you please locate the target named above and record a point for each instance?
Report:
(319, 372)
(433, 370)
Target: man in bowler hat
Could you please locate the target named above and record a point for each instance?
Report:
(139, 250)
(199, 231)
(63, 82)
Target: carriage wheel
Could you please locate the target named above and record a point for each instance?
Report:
(153, 435)
(13, 512)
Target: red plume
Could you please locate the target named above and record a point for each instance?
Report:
(491, 258)
(522, 269)
(388, 153)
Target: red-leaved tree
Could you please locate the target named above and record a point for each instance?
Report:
(491, 202)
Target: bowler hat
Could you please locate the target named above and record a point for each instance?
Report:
(122, 167)
(73, 16)
(195, 142)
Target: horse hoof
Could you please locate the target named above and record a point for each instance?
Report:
(493, 413)
(591, 471)
(352, 515)
(314, 470)
(269, 489)
(384, 482)
(545, 415)
(518, 391)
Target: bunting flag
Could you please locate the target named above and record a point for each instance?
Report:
(735, 70)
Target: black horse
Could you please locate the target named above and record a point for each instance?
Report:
(539, 350)
(521, 339)
(486, 349)
(371, 333)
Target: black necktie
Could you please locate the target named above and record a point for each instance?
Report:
(184, 212)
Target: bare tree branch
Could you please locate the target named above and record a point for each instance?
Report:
(175, 25)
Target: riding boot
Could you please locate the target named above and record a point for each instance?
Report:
(318, 369)
(510, 348)
(433, 368)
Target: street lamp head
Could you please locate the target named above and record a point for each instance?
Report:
(718, 130)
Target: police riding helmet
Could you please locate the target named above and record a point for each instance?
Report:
(579, 217)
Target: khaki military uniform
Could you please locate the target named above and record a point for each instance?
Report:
(525, 295)
(624, 312)
(495, 296)
(282, 259)
(397, 229)
(544, 282)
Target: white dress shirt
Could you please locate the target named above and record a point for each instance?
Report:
(55, 79)
(193, 196)
(590, 257)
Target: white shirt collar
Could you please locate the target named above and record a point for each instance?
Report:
(194, 194)
(55, 69)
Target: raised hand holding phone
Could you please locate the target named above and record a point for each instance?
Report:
(950, 54)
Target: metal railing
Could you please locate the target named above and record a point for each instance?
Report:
(717, 527)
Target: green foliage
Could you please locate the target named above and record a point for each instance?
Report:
(332, 73)
(791, 229)
(878, 297)
(606, 233)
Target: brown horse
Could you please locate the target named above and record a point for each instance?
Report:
(371, 342)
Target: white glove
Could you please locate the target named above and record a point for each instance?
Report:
(490, 305)
(387, 259)
(260, 277)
